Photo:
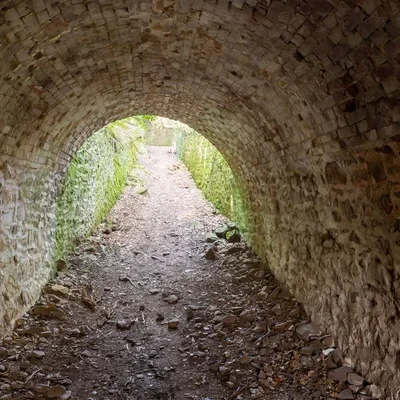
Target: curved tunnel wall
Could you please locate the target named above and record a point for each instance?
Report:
(301, 96)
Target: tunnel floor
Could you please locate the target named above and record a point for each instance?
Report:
(103, 329)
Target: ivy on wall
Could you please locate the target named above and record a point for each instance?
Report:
(213, 176)
(94, 181)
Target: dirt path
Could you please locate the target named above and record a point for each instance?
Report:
(106, 331)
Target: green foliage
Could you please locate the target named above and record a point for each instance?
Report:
(143, 120)
(213, 176)
(94, 181)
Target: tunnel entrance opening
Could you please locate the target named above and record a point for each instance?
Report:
(110, 159)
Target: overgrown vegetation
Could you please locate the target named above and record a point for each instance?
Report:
(95, 179)
(213, 176)
(145, 121)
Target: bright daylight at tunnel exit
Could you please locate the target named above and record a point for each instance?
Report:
(199, 199)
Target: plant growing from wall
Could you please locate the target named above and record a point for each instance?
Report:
(213, 176)
(94, 181)
(144, 120)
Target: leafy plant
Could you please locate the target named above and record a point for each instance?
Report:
(143, 120)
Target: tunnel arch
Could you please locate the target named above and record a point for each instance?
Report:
(301, 96)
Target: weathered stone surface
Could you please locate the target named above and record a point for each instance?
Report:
(346, 394)
(233, 236)
(124, 324)
(303, 103)
(221, 231)
(211, 253)
(211, 237)
(58, 290)
(355, 379)
(339, 374)
(373, 391)
(229, 320)
(56, 392)
(308, 331)
(173, 323)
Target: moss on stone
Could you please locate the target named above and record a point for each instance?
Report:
(214, 177)
(94, 181)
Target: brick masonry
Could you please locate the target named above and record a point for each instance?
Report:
(302, 97)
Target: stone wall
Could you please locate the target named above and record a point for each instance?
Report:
(94, 181)
(301, 97)
(213, 176)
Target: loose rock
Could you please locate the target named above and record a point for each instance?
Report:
(211, 237)
(233, 236)
(355, 379)
(211, 254)
(160, 317)
(56, 391)
(339, 374)
(346, 394)
(38, 354)
(58, 290)
(173, 324)
(373, 391)
(172, 299)
(308, 331)
(124, 324)
(61, 265)
(229, 320)
(221, 231)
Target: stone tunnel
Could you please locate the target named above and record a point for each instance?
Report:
(301, 96)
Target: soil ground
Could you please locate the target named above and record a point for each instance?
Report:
(141, 314)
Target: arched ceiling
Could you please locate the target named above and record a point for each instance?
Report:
(276, 64)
